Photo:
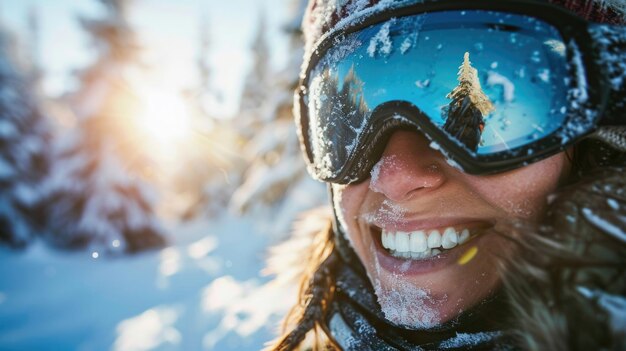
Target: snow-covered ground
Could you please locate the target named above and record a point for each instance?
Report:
(203, 292)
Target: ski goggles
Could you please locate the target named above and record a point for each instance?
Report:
(494, 85)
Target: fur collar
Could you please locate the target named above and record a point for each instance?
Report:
(567, 285)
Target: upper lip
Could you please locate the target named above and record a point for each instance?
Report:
(407, 225)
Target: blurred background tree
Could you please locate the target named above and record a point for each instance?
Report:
(275, 186)
(24, 157)
(142, 148)
(94, 196)
(109, 183)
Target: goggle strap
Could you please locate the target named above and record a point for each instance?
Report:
(613, 136)
(609, 42)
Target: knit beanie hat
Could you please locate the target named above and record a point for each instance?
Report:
(324, 16)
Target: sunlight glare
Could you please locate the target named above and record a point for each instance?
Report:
(165, 117)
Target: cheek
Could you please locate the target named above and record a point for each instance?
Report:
(523, 192)
(347, 200)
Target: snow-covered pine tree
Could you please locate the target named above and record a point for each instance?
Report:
(275, 184)
(24, 157)
(93, 199)
(465, 113)
(256, 85)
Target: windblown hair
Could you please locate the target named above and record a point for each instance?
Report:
(317, 285)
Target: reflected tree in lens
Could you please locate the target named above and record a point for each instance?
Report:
(352, 100)
(465, 113)
(344, 106)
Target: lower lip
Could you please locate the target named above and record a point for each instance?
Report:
(429, 265)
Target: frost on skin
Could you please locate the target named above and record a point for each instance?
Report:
(389, 162)
(404, 304)
(376, 169)
(388, 213)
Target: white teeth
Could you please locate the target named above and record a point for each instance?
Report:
(434, 239)
(419, 245)
(449, 239)
(418, 241)
(402, 242)
(463, 236)
(389, 240)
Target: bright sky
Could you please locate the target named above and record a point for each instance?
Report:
(169, 28)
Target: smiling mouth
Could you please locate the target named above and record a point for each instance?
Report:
(423, 244)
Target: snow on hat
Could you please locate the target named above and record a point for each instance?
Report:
(324, 16)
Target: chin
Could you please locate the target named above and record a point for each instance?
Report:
(425, 274)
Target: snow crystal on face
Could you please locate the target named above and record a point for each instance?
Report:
(407, 305)
(374, 174)
(391, 164)
(508, 88)
(381, 42)
(387, 213)
(469, 339)
(405, 266)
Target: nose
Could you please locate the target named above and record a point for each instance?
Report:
(409, 167)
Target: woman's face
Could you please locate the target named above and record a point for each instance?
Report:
(421, 227)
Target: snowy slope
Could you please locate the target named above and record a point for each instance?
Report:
(202, 293)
